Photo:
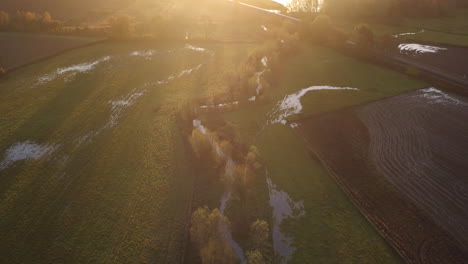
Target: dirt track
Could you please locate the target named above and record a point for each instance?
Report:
(401, 161)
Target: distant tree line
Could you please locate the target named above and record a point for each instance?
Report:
(26, 21)
(378, 8)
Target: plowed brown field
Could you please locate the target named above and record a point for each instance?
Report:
(402, 161)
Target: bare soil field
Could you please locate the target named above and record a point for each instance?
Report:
(17, 49)
(402, 161)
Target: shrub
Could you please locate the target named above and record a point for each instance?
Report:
(201, 145)
(255, 257)
(387, 42)
(259, 232)
(365, 35)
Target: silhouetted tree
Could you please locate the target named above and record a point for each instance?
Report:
(365, 35)
(121, 27)
(387, 42)
(207, 25)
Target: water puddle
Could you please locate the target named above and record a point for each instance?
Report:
(147, 55)
(229, 175)
(71, 71)
(219, 105)
(26, 150)
(436, 96)
(118, 106)
(408, 33)
(418, 48)
(283, 207)
(259, 75)
(197, 49)
(291, 104)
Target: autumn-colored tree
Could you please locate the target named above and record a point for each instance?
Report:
(255, 257)
(201, 144)
(259, 232)
(253, 159)
(208, 231)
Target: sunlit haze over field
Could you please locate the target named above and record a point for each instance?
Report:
(233, 132)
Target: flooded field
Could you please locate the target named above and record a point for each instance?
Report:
(91, 155)
(408, 151)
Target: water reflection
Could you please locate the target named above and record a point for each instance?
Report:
(283, 207)
(418, 48)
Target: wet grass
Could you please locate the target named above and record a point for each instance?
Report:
(332, 230)
(122, 194)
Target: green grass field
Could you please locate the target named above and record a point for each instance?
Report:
(18, 49)
(332, 230)
(94, 169)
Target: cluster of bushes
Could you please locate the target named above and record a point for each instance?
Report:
(367, 38)
(280, 43)
(207, 232)
(26, 21)
(212, 148)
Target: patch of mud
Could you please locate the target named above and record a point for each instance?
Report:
(291, 104)
(71, 71)
(283, 207)
(418, 48)
(419, 142)
(26, 150)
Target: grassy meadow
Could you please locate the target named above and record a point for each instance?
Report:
(17, 49)
(94, 168)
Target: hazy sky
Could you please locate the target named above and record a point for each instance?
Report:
(284, 2)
